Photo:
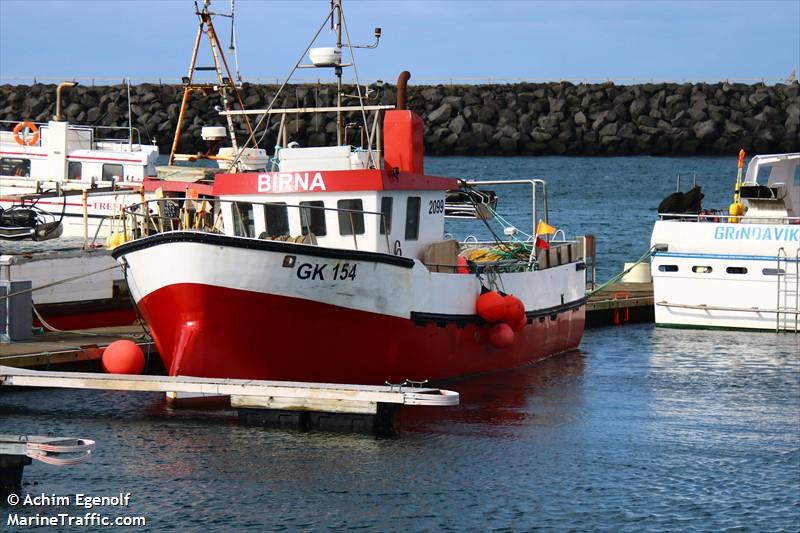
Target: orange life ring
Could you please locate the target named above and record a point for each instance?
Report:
(32, 127)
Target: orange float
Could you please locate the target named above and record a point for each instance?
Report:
(490, 306)
(123, 357)
(18, 133)
(501, 335)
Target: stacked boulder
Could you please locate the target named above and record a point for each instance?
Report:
(518, 119)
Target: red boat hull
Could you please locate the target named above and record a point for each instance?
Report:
(209, 331)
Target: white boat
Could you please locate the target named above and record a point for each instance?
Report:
(738, 270)
(76, 173)
(335, 267)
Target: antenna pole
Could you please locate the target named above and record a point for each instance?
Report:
(130, 120)
(186, 89)
(339, 136)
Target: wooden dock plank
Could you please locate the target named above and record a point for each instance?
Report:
(229, 387)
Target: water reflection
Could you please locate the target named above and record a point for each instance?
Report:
(546, 393)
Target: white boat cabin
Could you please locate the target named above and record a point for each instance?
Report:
(772, 187)
(59, 155)
(329, 197)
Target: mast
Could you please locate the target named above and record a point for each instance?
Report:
(338, 71)
(225, 84)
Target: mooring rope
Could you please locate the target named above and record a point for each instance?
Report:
(619, 276)
(59, 282)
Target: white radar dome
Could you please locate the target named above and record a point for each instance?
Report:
(326, 56)
(213, 133)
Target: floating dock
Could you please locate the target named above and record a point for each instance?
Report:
(621, 303)
(324, 406)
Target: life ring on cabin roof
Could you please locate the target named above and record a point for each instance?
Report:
(20, 139)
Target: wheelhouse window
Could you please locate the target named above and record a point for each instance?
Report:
(15, 167)
(386, 215)
(736, 270)
(667, 268)
(113, 172)
(351, 217)
(243, 223)
(74, 170)
(312, 218)
(773, 271)
(276, 217)
(412, 218)
(702, 269)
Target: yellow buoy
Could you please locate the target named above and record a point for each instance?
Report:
(115, 239)
(735, 210)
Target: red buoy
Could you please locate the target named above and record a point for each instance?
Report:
(123, 357)
(501, 335)
(463, 265)
(490, 306)
(514, 310)
(519, 326)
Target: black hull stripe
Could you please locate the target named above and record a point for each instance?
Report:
(217, 239)
(439, 319)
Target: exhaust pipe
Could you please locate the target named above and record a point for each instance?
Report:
(61, 86)
(402, 82)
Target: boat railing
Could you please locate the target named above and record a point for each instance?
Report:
(183, 213)
(373, 140)
(721, 217)
(131, 134)
(534, 185)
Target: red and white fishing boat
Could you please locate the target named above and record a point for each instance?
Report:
(334, 268)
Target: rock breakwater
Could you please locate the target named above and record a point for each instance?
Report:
(517, 119)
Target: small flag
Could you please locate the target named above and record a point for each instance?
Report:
(542, 244)
(543, 228)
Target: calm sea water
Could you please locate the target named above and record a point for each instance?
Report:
(642, 429)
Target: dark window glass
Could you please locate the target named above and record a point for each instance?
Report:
(112, 173)
(350, 221)
(276, 217)
(15, 167)
(667, 268)
(736, 270)
(312, 218)
(773, 271)
(412, 218)
(243, 224)
(74, 170)
(386, 215)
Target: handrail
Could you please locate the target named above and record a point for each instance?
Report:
(92, 129)
(724, 218)
(533, 183)
(328, 109)
(188, 220)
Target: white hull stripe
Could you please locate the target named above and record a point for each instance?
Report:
(215, 239)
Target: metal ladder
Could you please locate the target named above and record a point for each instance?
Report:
(788, 277)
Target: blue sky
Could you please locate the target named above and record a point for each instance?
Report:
(437, 40)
